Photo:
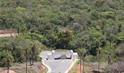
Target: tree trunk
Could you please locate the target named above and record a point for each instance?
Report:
(26, 62)
(83, 65)
(98, 61)
(80, 66)
(8, 64)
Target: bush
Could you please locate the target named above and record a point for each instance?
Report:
(6, 58)
(90, 58)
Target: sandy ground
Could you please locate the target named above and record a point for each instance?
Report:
(21, 68)
(88, 68)
(76, 69)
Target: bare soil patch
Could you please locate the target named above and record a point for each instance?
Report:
(88, 68)
(21, 68)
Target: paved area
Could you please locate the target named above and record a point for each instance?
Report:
(62, 64)
(58, 66)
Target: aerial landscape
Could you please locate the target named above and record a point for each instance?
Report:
(61, 36)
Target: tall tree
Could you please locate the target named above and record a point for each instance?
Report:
(81, 52)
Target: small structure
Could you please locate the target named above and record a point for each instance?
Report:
(8, 33)
(56, 55)
(59, 61)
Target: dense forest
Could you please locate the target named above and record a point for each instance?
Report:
(90, 25)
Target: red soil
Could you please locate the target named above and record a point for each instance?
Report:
(87, 68)
(78, 68)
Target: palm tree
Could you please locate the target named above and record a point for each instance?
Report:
(97, 36)
(8, 59)
(81, 52)
(32, 55)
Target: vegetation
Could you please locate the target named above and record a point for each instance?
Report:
(62, 24)
(14, 50)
